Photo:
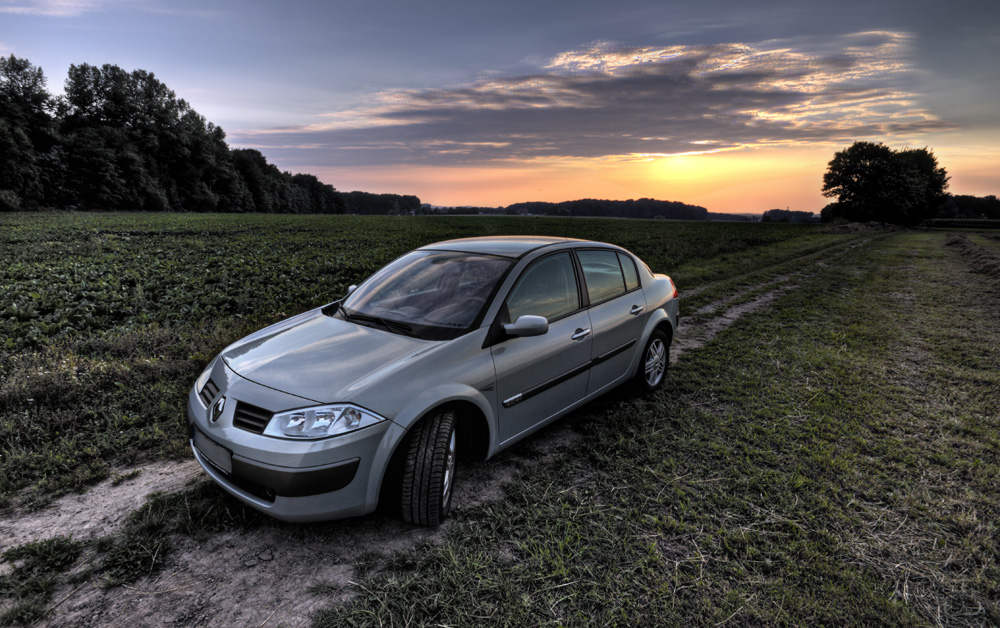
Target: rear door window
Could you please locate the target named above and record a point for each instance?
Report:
(603, 274)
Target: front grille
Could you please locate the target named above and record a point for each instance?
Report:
(251, 418)
(208, 392)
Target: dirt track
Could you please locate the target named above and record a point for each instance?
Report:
(263, 577)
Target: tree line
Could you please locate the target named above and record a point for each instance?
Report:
(121, 140)
(638, 208)
(785, 215)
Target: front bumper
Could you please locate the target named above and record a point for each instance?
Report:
(290, 480)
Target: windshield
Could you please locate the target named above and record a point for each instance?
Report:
(435, 295)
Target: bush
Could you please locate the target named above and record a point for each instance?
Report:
(9, 201)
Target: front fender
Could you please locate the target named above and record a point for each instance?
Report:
(442, 395)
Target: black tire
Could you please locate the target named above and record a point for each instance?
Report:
(429, 469)
(654, 363)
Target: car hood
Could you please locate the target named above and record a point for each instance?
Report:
(321, 358)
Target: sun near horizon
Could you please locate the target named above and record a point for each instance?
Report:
(492, 104)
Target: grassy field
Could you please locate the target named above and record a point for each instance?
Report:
(107, 319)
(832, 458)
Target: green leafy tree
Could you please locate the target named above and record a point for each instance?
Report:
(873, 182)
(926, 182)
(123, 140)
(25, 130)
(24, 99)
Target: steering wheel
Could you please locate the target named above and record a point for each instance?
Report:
(456, 310)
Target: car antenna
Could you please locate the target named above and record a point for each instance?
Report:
(569, 223)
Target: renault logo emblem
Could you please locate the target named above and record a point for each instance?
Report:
(217, 409)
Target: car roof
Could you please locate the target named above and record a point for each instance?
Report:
(505, 246)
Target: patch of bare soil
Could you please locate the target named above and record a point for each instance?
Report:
(98, 512)
(260, 577)
(263, 577)
(268, 576)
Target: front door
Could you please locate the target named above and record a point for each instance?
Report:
(538, 376)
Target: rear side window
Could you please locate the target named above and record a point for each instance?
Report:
(628, 270)
(547, 288)
(603, 275)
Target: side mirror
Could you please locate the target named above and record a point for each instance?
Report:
(351, 289)
(527, 325)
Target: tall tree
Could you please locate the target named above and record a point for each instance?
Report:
(25, 130)
(873, 182)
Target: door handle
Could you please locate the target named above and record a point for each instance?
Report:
(636, 310)
(580, 333)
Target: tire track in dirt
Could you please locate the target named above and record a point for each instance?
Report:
(265, 576)
(818, 257)
(709, 320)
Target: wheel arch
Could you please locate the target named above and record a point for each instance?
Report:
(666, 327)
(474, 441)
(658, 320)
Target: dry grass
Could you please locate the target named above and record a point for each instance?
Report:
(978, 258)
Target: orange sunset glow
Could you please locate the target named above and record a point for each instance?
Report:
(736, 108)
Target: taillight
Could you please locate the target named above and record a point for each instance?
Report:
(674, 286)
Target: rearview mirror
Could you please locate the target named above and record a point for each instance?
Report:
(351, 289)
(527, 325)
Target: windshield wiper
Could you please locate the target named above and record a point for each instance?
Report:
(390, 325)
(402, 328)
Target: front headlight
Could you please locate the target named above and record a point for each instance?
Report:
(320, 422)
(203, 378)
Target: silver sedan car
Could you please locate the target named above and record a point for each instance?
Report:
(459, 348)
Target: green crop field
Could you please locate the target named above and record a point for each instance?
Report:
(107, 319)
(826, 452)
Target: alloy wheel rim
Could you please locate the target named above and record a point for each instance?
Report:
(449, 469)
(655, 362)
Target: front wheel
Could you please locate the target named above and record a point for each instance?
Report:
(654, 363)
(429, 469)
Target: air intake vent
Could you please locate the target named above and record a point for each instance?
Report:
(208, 392)
(251, 418)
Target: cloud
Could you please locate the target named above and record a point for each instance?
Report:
(75, 8)
(612, 103)
(52, 8)
(175, 11)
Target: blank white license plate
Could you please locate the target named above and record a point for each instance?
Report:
(216, 454)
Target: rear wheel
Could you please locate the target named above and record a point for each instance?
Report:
(655, 360)
(429, 469)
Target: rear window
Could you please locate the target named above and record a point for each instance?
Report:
(628, 270)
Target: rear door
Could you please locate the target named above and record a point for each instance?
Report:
(617, 314)
(539, 376)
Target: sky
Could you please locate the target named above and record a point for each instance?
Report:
(732, 105)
